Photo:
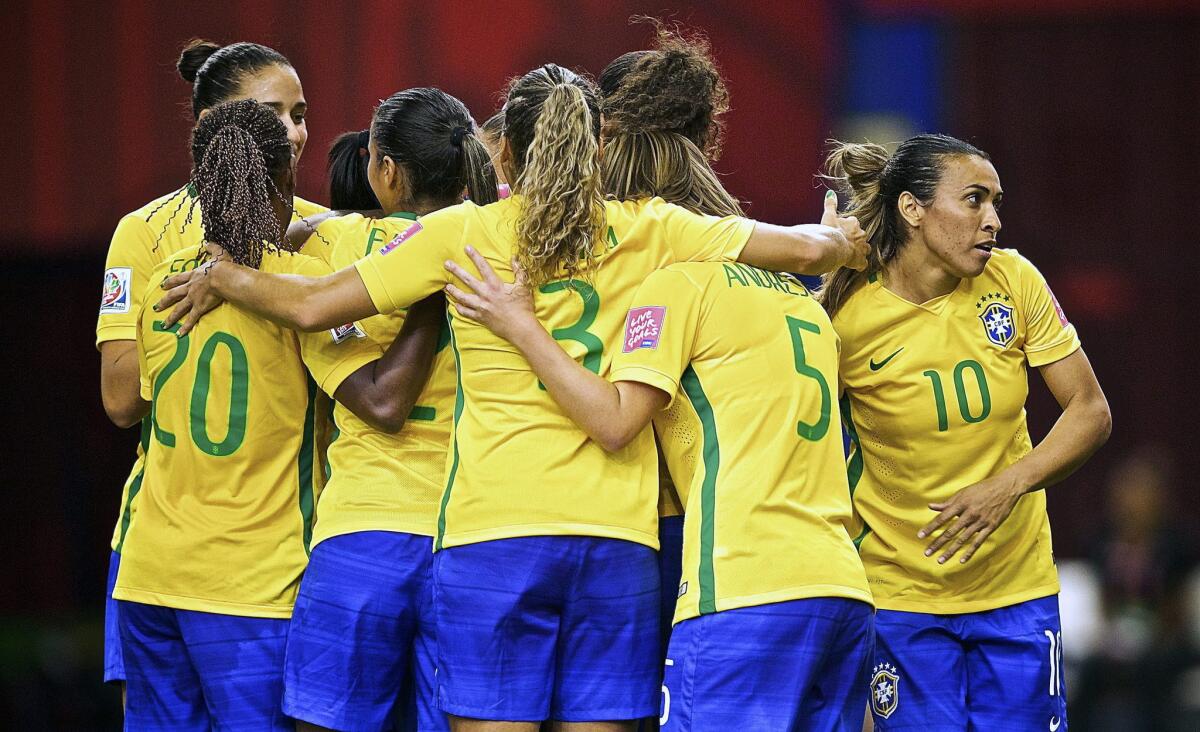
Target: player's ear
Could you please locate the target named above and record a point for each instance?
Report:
(910, 209)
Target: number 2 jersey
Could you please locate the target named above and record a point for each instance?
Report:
(224, 515)
(518, 466)
(380, 481)
(934, 402)
(750, 361)
(143, 239)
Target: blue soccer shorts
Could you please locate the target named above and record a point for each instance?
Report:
(548, 627)
(795, 665)
(670, 569)
(114, 663)
(189, 670)
(363, 640)
(1000, 669)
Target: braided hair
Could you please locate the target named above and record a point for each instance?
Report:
(239, 152)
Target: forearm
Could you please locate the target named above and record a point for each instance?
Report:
(400, 375)
(811, 249)
(1083, 427)
(590, 401)
(119, 384)
(294, 301)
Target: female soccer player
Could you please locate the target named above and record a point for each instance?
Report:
(774, 619)
(213, 556)
(349, 184)
(547, 583)
(156, 231)
(364, 621)
(660, 107)
(937, 335)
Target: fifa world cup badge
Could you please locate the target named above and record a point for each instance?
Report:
(885, 690)
(999, 325)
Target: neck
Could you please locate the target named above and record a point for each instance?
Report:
(917, 275)
(419, 207)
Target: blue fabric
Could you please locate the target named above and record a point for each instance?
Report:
(362, 646)
(670, 569)
(987, 670)
(188, 670)
(114, 662)
(548, 627)
(799, 665)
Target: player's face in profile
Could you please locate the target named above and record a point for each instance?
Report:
(961, 224)
(279, 88)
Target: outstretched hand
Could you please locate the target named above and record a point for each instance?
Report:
(190, 293)
(857, 245)
(501, 307)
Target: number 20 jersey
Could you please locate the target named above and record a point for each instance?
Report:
(934, 402)
(517, 466)
(224, 517)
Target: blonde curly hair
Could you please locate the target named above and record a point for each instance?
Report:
(552, 123)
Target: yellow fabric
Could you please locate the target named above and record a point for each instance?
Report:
(380, 481)
(751, 360)
(910, 453)
(143, 239)
(517, 466)
(224, 514)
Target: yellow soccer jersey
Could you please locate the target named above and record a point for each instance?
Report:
(380, 481)
(935, 401)
(752, 361)
(223, 522)
(143, 239)
(517, 466)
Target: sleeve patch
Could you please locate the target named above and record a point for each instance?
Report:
(342, 332)
(402, 237)
(643, 327)
(115, 296)
(1062, 317)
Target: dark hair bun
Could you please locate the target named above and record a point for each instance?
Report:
(193, 56)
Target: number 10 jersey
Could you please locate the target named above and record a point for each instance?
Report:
(934, 402)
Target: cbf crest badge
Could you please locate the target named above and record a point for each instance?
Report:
(885, 690)
(999, 325)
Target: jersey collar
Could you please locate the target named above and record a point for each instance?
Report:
(402, 215)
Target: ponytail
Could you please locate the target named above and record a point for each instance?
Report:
(349, 189)
(551, 121)
(477, 171)
(646, 164)
(238, 150)
(872, 181)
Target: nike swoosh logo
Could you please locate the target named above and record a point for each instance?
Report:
(1055, 723)
(881, 364)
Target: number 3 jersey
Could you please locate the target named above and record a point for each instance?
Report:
(517, 466)
(934, 402)
(224, 517)
(750, 361)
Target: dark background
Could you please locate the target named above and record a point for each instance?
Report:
(1089, 110)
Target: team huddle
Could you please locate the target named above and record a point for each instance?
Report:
(533, 428)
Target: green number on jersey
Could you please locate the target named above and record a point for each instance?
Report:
(239, 391)
(578, 331)
(181, 351)
(960, 391)
(820, 428)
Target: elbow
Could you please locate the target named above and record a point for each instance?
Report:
(614, 439)
(387, 418)
(1103, 422)
(124, 415)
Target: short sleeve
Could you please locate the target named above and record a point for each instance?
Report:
(660, 332)
(332, 355)
(409, 266)
(127, 268)
(695, 237)
(1049, 336)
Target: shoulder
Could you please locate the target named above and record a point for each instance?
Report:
(307, 208)
(294, 263)
(158, 211)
